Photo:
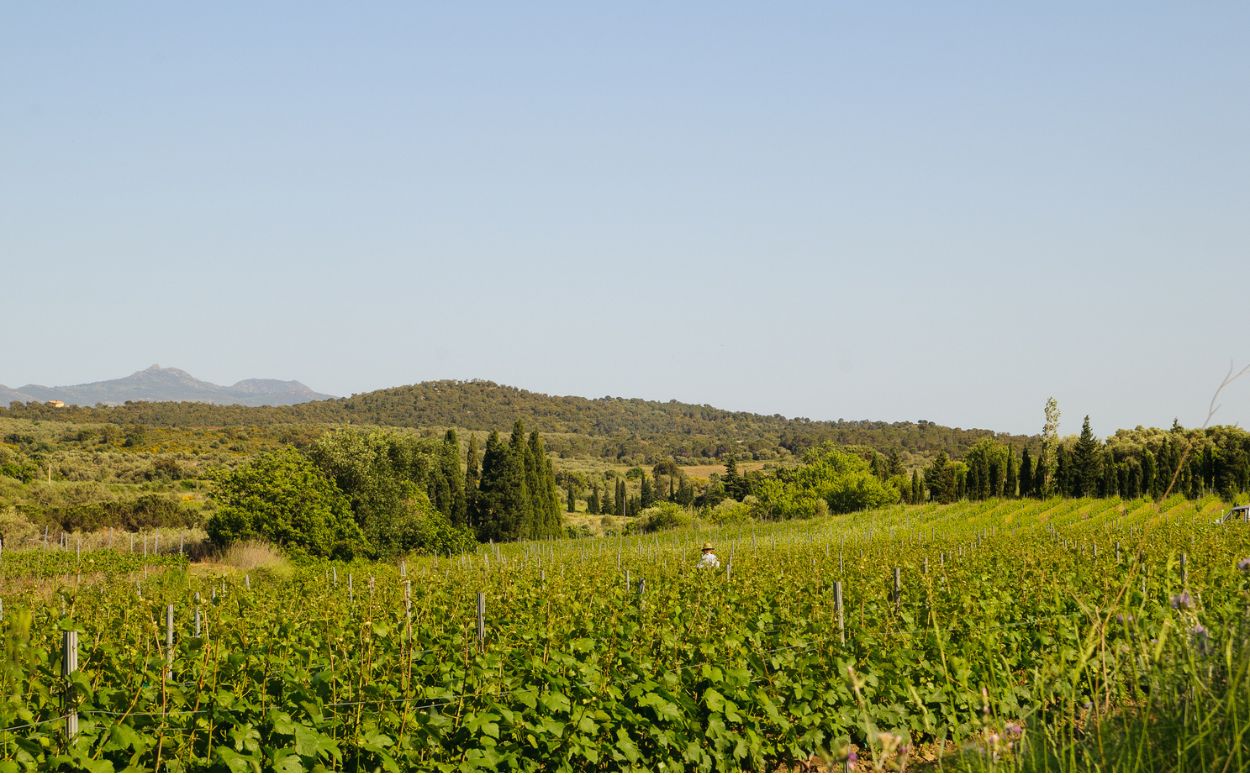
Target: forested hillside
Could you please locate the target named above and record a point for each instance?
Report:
(630, 430)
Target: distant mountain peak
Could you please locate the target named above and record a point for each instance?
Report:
(169, 384)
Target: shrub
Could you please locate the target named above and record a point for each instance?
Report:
(16, 529)
(662, 516)
(282, 497)
(729, 512)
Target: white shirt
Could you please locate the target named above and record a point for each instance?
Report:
(709, 560)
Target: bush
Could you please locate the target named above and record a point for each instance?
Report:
(16, 529)
(663, 516)
(282, 497)
(729, 512)
(829, 480)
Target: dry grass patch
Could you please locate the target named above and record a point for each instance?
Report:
(251, 556)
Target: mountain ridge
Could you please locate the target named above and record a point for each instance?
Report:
(156, 384)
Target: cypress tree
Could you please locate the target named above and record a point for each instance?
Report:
(1132, 488)
(973, 481)
(916, 490)
(592, 505)
(551, 516)
(1086, 464)
(1110, 482)
(1013, 478)
(647, 496)
(571, 503)
(620, 498)
(450, 463)
(472, 475)
(1026, 474)
(1040, 477)
(732, 482)
(1062, 473)
(492, 516)
(521, 499)
(939, 478)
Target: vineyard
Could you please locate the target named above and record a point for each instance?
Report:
(1073, 634)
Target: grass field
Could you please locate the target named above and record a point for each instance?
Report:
(1051, 635)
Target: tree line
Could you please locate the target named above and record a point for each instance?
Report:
(381, 492)
(1138, 463)
(618, 429)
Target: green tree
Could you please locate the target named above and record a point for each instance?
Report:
(472, 475)
(1086, 463)
(1012, 481)
(939, 479)
(387, 478)
(1048, 459)
(1026, 474)
(646, 496)
(458, 505)
(281, 496)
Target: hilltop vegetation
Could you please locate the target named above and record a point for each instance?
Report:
(628, 430)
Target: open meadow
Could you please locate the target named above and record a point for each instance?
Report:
(1077, 634)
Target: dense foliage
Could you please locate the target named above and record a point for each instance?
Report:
(1143, 462)
(1030, 635)
(516, 496)
(283, 497)
(630, 430)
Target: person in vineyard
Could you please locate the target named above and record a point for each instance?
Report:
(709, 558)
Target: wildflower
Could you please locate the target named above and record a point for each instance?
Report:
(1244, 565)
(852, 757)
(1123, 619)
(1183, 601)
(1013, 729)
(1201, 639)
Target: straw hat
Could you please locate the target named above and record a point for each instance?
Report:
(707, 547)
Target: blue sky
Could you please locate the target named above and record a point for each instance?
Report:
(895, 211)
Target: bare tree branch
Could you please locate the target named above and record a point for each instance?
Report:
(1212, 408)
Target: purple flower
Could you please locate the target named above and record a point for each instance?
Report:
(1122, 619)
(1182, 601)
(852, 757)
(1013, 729)
(1202, 639)
(1244, 565)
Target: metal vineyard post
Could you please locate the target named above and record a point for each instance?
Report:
(69, 664)
(837, 604)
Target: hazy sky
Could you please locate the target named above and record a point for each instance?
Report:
(893, 211)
